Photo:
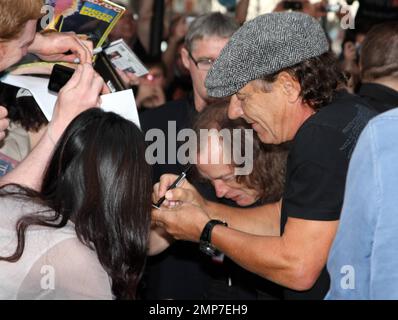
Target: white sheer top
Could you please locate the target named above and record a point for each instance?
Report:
(54, 264)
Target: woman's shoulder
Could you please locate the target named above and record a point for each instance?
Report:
(14, 205)
(80, 273)
(70, 270)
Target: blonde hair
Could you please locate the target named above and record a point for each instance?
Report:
(15, 14)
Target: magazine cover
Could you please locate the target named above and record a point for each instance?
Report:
(95, 18)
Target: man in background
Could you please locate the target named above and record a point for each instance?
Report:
(379, 67)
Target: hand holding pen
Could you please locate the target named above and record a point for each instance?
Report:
(174, 185)
(186, 193)
(95, 52)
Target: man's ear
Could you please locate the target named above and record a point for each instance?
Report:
(185, 57)
(290, 86)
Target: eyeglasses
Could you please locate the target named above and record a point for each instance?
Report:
(202, 64)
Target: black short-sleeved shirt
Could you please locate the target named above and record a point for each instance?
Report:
(317, 166)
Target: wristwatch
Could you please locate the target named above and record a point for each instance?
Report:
(205, 238)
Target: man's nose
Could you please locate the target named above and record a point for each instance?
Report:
(235, 110)
(221, 188)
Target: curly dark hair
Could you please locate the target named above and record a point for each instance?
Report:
(269, 161)
(319, 78)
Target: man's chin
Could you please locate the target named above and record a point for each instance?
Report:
(243, 203)
(262, 134)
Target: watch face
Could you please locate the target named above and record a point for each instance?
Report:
(207, 248)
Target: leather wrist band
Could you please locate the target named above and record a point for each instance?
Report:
(205, 238)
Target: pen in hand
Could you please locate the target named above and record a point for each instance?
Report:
(174, 185)
(95, 52)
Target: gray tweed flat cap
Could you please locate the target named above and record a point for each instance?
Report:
(264, 46)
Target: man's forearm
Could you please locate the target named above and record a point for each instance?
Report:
(159, 240)
(265, 256)
(37, 42)
(263, 220)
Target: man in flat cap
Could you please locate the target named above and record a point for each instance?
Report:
(283, 80)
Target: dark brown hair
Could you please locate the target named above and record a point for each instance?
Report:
(379, 53)
(99, 179)
(269, 161)
(22, 110)
(319, 78)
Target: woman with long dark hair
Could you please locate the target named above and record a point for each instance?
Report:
(85, 233)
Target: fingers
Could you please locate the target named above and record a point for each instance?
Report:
(105, 89)
(82, 92)
(4, 122)
(74, 80)
(166, 181)
(180, 194)
(98, 84)
(81, 49)
(185, 222)
(3, 112)
(160, 188)
(129, 78)
(123, 76)
(87, 77)
(88, 44)
(158, 218)
(155, 193)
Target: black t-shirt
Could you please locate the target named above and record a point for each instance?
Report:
(380, 97)
(317, 168)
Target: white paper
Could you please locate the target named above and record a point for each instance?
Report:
(122, 102)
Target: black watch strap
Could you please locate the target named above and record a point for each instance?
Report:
(205, 238)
